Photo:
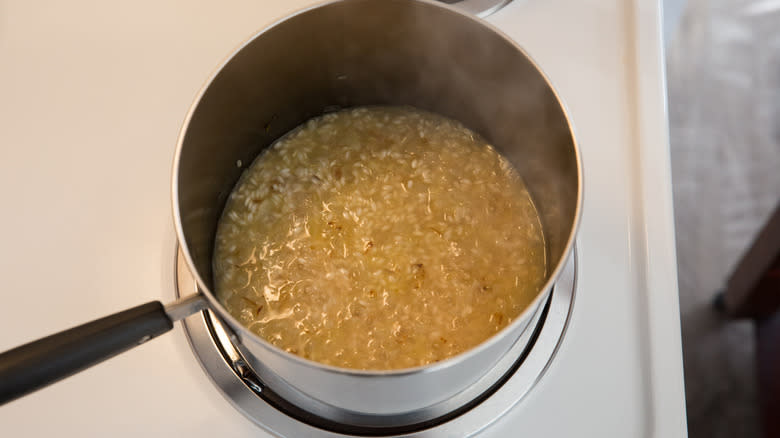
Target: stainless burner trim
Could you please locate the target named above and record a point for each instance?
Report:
(240, 394)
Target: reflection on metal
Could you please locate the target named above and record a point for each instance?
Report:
(480, 8)
(223, 363)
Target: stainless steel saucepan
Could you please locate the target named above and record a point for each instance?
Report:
(339, 54)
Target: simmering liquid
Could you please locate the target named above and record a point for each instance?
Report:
(379, 238)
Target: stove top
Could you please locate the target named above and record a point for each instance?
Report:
(93, 98)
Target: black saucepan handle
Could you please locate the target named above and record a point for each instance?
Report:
(39, 363)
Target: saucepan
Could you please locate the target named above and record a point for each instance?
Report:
(336, 55)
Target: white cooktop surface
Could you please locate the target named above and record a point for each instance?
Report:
(92, 95)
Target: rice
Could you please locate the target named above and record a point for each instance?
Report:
(378, 238)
